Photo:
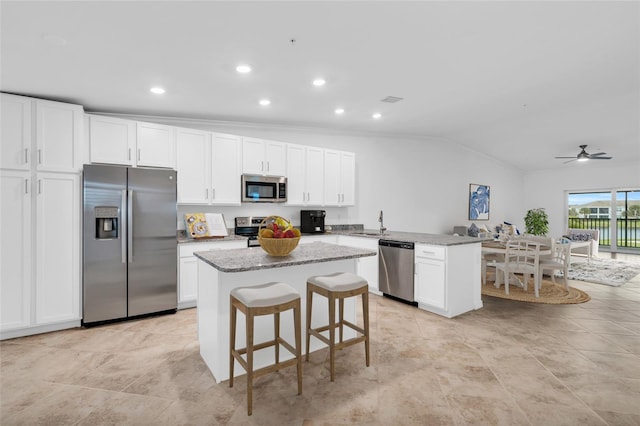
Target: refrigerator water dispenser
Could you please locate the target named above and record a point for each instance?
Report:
(106, 222)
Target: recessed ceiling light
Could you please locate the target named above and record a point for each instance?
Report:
(157, 90)
(243, 69)
(339, 111)
(377, 115)
(319, 82)
(265, 102)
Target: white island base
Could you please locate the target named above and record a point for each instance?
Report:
(214, 287)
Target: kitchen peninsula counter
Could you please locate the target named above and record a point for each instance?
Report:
(219, 272)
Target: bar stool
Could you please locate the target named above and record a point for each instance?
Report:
(266, 299)
(334, 287)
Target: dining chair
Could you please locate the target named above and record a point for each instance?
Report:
(523, 257)
(559, 262)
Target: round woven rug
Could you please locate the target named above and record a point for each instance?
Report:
(554, 294)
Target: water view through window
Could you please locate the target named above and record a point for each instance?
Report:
(615, 213)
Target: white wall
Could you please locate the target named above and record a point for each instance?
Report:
(422, 185)
(548, 188)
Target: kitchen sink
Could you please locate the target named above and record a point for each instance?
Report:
(370, 234)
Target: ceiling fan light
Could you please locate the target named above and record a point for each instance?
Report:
(583, 158)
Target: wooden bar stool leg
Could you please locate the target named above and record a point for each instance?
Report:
(249, 330)
(332, 334)
(276, 334)
(365, 317)
(297, 320)
(341, 317)
(309, 303)
(232, 342)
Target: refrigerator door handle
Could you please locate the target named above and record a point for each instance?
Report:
(130, 225)
(123, 240)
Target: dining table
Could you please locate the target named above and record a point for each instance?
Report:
(500, 247)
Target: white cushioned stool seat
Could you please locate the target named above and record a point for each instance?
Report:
(340, 281)
(265, 294)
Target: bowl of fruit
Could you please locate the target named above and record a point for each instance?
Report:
(277, 236)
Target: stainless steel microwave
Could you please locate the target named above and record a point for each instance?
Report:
(264, 189)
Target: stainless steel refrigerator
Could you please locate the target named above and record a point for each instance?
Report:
(129, 242)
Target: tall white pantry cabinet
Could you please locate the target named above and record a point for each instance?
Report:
(40, 180)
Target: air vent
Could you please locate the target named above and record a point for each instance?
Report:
(391, 99)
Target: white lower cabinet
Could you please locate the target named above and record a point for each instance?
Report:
(57, 248)
(188, 268)
(367, 266)
(15, 254)
(40, 264)
(447, 278)
(430, 276)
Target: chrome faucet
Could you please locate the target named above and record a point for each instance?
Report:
(381, 220)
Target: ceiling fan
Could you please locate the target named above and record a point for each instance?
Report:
(584, 156)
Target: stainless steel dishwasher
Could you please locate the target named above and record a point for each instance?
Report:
(395, 269)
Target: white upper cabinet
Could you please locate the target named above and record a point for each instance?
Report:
(15, 147)
(209, 168)
(304, 175)
(339, 178)
(348, 178)
(263, 157)
(112, 140)
(314, 176)
(156, 145)
(58, 136)
(226, 168)
(131, 143)
(194, 166)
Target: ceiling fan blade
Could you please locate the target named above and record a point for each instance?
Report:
(565, 162)
(600, 158)
(565, 157)
(597, 154)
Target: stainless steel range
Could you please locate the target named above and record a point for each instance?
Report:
(248, 226)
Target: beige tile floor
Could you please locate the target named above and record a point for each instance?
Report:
(510, 363)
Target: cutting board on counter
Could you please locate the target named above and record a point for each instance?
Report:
(205, 225)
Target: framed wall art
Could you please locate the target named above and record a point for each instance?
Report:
(479, 196)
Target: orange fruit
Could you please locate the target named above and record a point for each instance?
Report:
(266, 233)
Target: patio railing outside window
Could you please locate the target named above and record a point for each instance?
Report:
(628, 230)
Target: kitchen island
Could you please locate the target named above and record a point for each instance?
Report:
(221, 271)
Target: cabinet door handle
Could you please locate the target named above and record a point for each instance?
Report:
(129, 155)
(39, 186)
(308, 196)
(267, 166)
(213, 194)
(206, 191)
(26, 155)
(139, 154)
(262, 166)
(39, 156)
(26, 186)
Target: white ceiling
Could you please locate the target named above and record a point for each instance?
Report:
(519, 81)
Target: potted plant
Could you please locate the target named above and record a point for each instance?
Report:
(536, 222)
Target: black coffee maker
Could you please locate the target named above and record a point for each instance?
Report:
(312, 221)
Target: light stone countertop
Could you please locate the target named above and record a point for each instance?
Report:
(255, 258)
(414, 237)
